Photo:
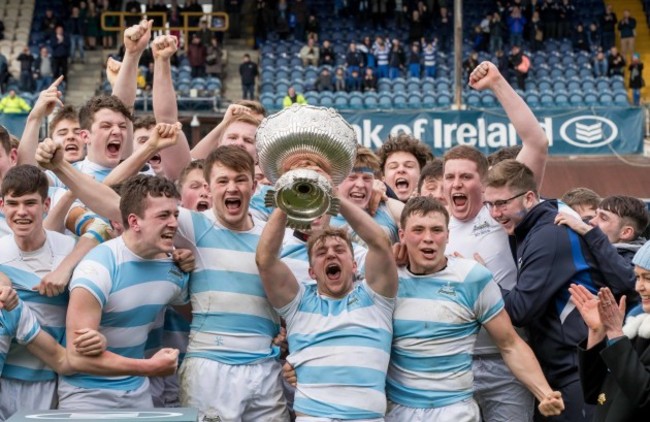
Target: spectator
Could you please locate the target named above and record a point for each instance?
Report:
(132, 6)
(397, 60)
(339, 80)
(516, 24)
(192, 6)
(92, 26)
(300, 12)
(43, 70)
(309, 54)
(502, 62)
(636, 78)
(369, 83)
(479, 39)
(12, 103)
(4, 72)
(26, 65)
(416, 28)
(381, 50)
(470, 63)
(415, 61)
(213, 61)
(293, 98)
(584, 201)
(282, 27)
(580, 39)
(197, 54)
(204, 32)
(324, 81)
(353, 82)
(248, 72)
(607, 28)
(429, 57)
(536, 34)
(263, 22)
(496, 32)
(600, 64)
(400, 13)
(327, 55)
(312, 27)
(76, 31)
(445, 30)
(157, 7)
(366, 49)
(627, 31)
(60, 53)
(49, 24)
(521, 64)
(565, 18)
(593, 34)
(615, 63)
(549, 16)
(353, 58)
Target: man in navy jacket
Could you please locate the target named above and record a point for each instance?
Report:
(549, 258)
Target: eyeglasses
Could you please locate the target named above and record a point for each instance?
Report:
(500, 203)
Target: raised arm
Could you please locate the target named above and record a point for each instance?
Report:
(523, 364)
(136, 39)
(279, 283)
(165, 108)
(534, 140)
(47, 100)
(163, 136)
(381, 270)
(211, 141)
(97, 196)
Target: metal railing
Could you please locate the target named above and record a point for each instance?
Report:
(184, 16)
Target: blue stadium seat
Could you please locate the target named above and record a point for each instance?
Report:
(557, 72)
(590, 98)
(573, 83)
(399, 85)
(311, 72)
(385, 101)
(544, 84)
(370, 101)
(606, 99)
(267, 87)
(443, 99)
(546, 99)
(341, 100)
(326, 99)
(356, 101)
(413, 85)
(561, 99)
(620, 99)
(602, 83)
(427, 86)
(488, 100)
(384, 85)
(296, 73)
(586, 72)
(267, 101)
(428, 100)
(559, 85)
(576, 99)
(399, 100)
(415, 101)
(473, 99)
(282, 85)
(282, 72)
(532, 98)
(588, 84)
(311, 97)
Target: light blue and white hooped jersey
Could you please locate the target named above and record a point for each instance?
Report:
(382, 217)
(436, 320)
(85, 166)
(294, 254)
(232, 320)
(256, 207)
(170, 329)
(340, 349)
(132, 292)
(26, 269)
(4, 227)
(19, 325)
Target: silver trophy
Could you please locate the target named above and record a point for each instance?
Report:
(298, 136)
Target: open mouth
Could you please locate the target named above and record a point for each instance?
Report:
(233, 204)
(459, 199)
(113, 147)
(429, 253)
(202, 205)
(71, 148)
(22, 222)
(155, 160)
(401, 184)
(168, 235)
(358, 196)
(333, 271)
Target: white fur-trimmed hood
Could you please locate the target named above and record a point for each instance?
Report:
(637, 325)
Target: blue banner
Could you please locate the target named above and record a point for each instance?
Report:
(593, 131)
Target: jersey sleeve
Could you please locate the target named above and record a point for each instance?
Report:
(489, 302)
(94, 273)
(26, 324)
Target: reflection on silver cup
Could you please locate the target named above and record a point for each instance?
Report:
(294, 142)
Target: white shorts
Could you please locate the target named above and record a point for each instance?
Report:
(165, 391)
(233, 392)
(77, 398)
(16, 395)
(463, 411)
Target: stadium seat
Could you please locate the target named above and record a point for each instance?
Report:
(532, 98)
(385, 101)
(561, 99)
(399, 85)
(602, 83)
(488, 100)
(544, 84)
(267, 101)
(281, 86)
(576, 100)
(620, 99)
(311, 97)
(428, 100)
(341, 100)
(546, 99)
(427, 87)
(573, 83)
(384, 85)
(588, 85)
(325, 99)
(590, 98)
(399, 101)
(370, 101)
(413, 85)
(606, 99)
(415, 101)
(443, 100)
(356, 101)
(559, 85)
(473, 99)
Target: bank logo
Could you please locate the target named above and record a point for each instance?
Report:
(588, 131)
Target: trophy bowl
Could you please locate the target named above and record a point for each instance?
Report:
(305, 136)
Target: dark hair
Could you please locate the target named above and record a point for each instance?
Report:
(466, 152)
(405, 143)
(631, 210)
(505, 153)
(422, 205)
(144, 122)
(328, 232)
(68, 112)
(136, 189)
(25, 179)
(434, 169)
(230, 156)
(92, 106)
